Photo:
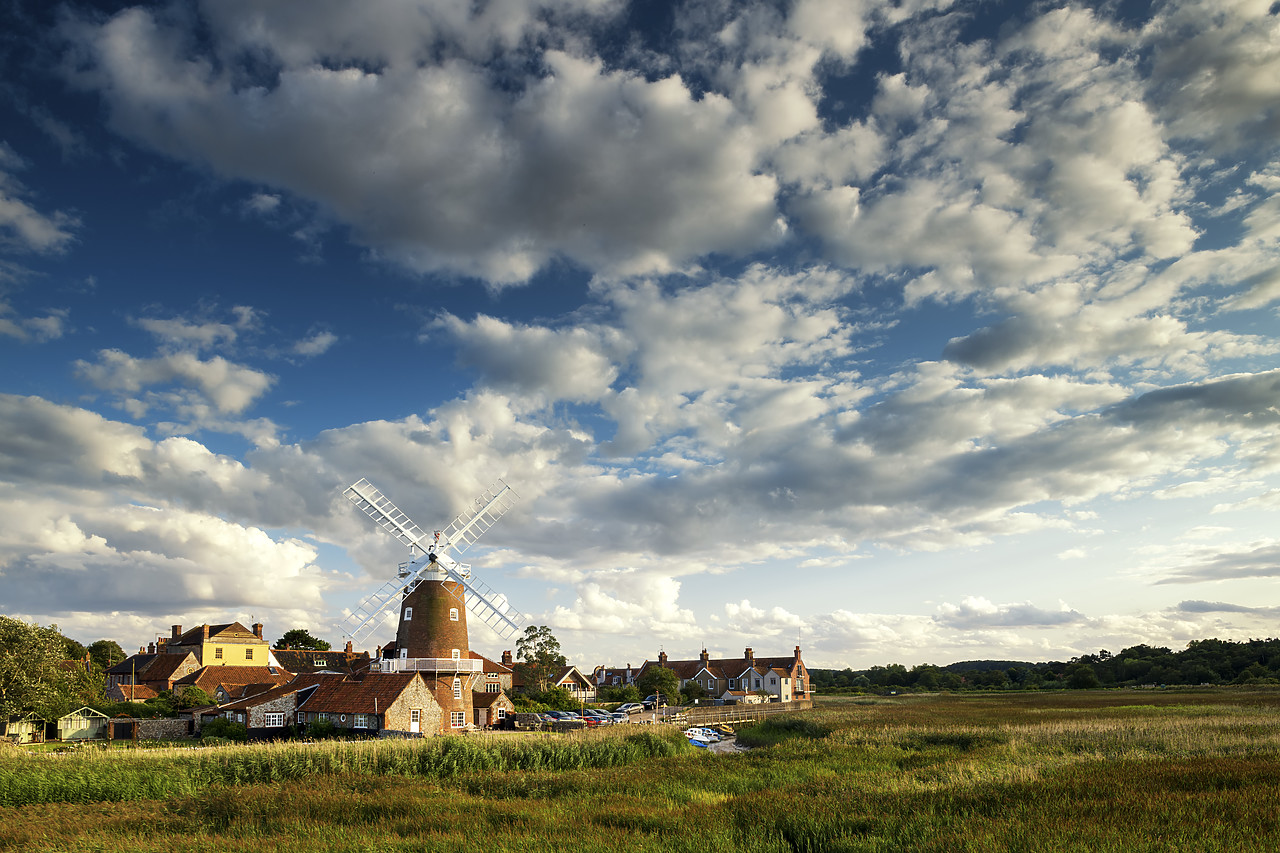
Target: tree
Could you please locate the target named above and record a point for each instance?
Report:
(32, 676)
(540, 657)
(300, 638)
(106, 653)
(691, 692)
(660, 681)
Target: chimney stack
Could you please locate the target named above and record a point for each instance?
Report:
(662, 658)
(797, 653)
(257, 630)
(205, 633)
(705, 657)
(151, 648)
(177, 631)
(750, 656)
(506, 658)
(348, 647)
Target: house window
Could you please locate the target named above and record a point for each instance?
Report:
(273, 720)
(317, 662)
(323, 715)
(415, 716)
(502, 713)
(457, 719)
(730, 683)
(248, 654)
(457, 688)
(453, 614)
(408, 614)
(217, 652)
(493, 688)
(773, 679)
(361, 721)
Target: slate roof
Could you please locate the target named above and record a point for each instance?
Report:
(134, 663)
(303, 660)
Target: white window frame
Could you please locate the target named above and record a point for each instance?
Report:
(457, 719)
(456, 654)
(457, 688)
(360, 721)
(493, 687)
(273, 719)
(501, 713)
(453, 614)
(408, 614)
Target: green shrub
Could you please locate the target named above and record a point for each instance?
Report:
(221, 727)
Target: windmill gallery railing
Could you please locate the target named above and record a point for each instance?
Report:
(428, 665)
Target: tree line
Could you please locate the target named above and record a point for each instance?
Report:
(1212, 661)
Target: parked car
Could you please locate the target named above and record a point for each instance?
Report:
(596, 717)
(619, 717)
(629, 708)
(651, 702)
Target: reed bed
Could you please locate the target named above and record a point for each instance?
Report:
(1115, 771)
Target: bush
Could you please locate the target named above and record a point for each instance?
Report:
(222, 728)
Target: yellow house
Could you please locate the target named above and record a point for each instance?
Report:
(222, 645)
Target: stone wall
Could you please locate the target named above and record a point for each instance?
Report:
(397, 717)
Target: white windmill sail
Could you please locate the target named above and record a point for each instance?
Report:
(431, 559)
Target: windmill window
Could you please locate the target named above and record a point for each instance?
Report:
(457, 654)
(453, 614)
(408, 614)
(457, 688)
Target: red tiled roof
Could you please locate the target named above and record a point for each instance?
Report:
(209, 677)
(490, 665)
(135, 692)
(370, 695)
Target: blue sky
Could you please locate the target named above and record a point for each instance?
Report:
(914, 331)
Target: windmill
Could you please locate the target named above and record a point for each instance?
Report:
(433, 593)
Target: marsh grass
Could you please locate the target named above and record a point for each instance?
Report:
(1105, 772)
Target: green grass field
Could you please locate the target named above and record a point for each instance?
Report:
(1086, 770)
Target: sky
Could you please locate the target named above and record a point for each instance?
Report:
(906, 332)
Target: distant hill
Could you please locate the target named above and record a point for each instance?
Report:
(985, 665)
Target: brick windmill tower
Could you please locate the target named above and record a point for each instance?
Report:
(433, 593)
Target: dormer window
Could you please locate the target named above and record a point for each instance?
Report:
(408, 614)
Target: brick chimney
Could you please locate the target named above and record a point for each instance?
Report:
(705, 657)
(257, 630)
(349, 647)
(506, 658)
(662, 658)
(177, 632)
(750, 656)
(151, 648)
(797, 653)
(205, 633)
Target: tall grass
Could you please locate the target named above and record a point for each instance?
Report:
(102, 776)
(1107, 772)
